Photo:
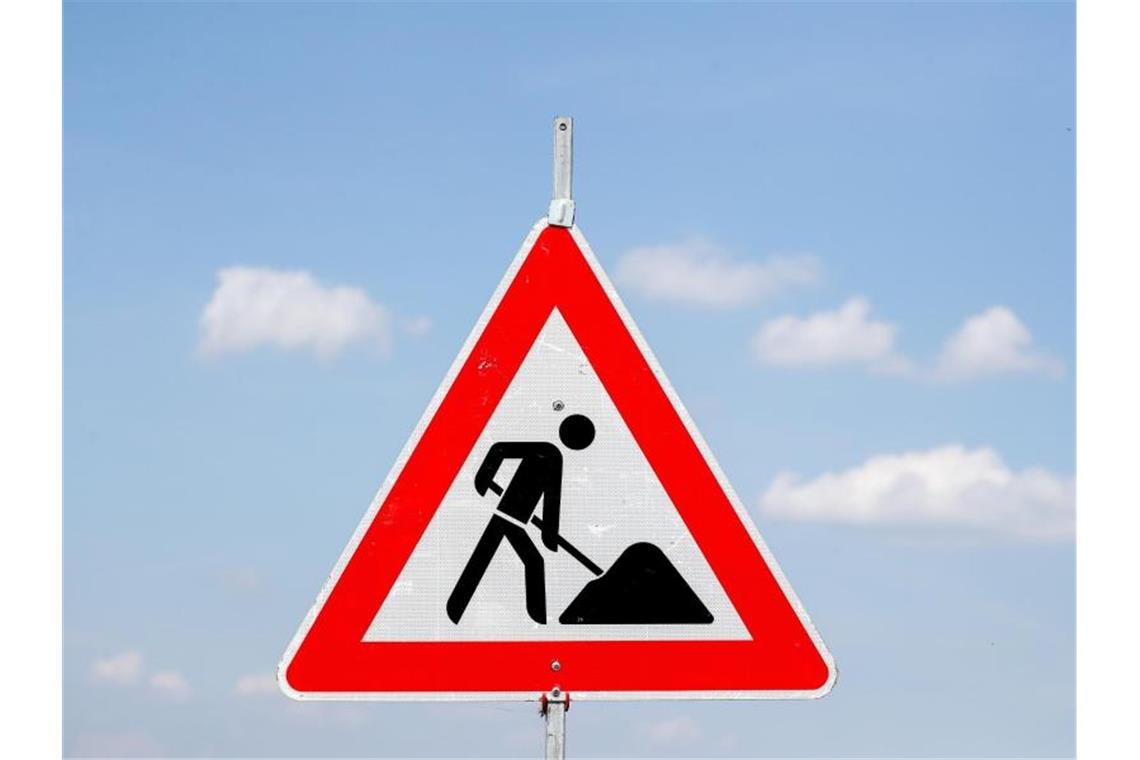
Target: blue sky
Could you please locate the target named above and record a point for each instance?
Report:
(914, 163)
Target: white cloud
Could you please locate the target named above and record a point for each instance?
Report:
(950, 486)
(847, 335)
(171, 684)
(673, 730)
(254, 307)
(698, 273)
(990, 343)
(256, 684)
(120, 669)
(126, 669)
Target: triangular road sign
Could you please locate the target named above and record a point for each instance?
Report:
(556, 520)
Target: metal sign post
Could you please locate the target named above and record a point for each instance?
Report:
(561, 214)
(555, 704)
(561, 206)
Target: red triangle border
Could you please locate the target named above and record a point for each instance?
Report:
(785, 658)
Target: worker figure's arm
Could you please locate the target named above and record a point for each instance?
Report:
(551, 505)
(499, 451)
(486, 474)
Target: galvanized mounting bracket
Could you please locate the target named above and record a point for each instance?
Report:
(561, 212)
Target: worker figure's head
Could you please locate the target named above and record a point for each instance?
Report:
(576, 431)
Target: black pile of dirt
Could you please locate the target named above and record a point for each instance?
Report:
(642, 587)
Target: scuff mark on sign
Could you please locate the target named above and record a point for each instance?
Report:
(547, 344)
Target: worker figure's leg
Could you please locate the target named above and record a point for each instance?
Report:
(476, 566)
(533, 573)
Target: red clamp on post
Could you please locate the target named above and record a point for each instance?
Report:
(544, 703)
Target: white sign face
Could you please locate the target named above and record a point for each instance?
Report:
(556, 521)
(610, 500)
